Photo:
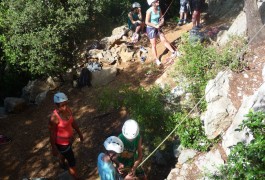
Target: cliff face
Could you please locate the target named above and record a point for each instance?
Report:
(230, 96)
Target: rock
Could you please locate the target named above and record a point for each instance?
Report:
(14, 105)
(239, 28)
(209, 162)
(186, 155)
(103, 77)
(220, 109)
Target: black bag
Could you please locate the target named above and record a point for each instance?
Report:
(84, 79)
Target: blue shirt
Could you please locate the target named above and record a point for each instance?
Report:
(106, 170)
(154, 17)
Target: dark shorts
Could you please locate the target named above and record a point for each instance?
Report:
(153, 32)
(67, 152)
(134, 26)
(196, 5)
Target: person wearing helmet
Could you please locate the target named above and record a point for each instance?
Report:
(154, 20)
(113, 147)
(135, 21)
(132, 154)
(61, 127)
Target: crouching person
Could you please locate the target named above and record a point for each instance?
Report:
(106, 169)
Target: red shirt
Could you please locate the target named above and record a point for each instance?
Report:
(64, 129)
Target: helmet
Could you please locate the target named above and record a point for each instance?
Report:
(136, 5)
(113, 143)
(150, 2)
(130, 129)
(60, 97)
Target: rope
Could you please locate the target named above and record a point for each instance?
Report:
(194, 106)
(167, 9)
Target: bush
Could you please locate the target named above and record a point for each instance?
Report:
(247, 161)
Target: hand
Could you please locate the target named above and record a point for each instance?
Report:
(157, 26)
(120, 168)
(132, 172)
(138, 21)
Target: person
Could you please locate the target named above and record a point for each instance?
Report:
(61, 127)
(132, 155)
(113, 147)
(135, 21)
(154, 21)
(196, 15)
(183, 12)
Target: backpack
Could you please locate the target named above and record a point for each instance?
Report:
(84, 79)
(94, 66)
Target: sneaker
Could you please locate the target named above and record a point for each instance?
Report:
(180, 23)
(158, 63)
(174, 54)
(142, 49)
(143, 58)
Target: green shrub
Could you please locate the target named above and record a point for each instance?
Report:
(190, 132)
(247, 161)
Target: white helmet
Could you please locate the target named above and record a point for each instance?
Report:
(150, 2)
(130, 129)
(113, 143)
(60, 97)
(136, 5)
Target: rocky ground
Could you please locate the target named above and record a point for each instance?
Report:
(29, 153)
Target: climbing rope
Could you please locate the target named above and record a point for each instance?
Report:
(196, 105)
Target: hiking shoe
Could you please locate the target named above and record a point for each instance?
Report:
(180, 23)
(142, 49)
(158, 63)
(185, 21)
(174, 54)
(143, 58)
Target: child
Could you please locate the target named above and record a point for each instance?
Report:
(132, 154)
(61, 127)
(135, 21)
(183, 11)
(106, 170)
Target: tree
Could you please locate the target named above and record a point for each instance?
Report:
(38, 35)
(254, 22)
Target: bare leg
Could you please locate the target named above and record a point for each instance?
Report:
(166, 43)
(153, 44)
(72, 171)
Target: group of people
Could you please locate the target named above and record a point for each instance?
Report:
(154, 20)
(122, 154)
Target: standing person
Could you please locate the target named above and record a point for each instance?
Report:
(183, 12)
(132, 154)
(135, 20)
(113, 147)
(196, 15)
(61, 127)
(154, 21)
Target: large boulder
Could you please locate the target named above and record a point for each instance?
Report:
(220, 109)
(238, 28)
(103, 77)
(14, 104)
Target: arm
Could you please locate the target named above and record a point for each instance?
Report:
(140, 14)
(147, 20)
(140, 156)
(131, 18)
(75, 126)
(53, 129)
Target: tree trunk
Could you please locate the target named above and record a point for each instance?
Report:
(254, 23)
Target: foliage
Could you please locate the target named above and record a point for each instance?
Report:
(200, 62)
(38, 35)
(190, 131)
(247, 161)
(146, 106)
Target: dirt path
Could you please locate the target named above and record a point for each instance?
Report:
(29, 154)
